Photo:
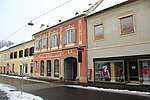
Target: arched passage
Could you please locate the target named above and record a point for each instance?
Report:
(70, 68)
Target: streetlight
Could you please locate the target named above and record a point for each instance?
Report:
(30, 23)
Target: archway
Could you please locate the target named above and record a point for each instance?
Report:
(70, 68)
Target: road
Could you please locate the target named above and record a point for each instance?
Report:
(51, 91)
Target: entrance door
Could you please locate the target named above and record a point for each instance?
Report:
(133, 70)
(20, 70)
(31, 69)
(70, 68)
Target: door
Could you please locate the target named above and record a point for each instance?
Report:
(20, 70)
(31, 69)
(133, 71)
(70, 68)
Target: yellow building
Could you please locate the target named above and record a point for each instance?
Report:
(18, 59)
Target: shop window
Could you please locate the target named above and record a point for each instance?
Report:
(20, 53)
(119, 71)
(42, 68)
(35, 65)
(109, 71)
(69, 36)
(15, 54)
(11, 55)
(102, 71)
(127, 26)
(13, 68)
(56, 68)
(44, 43)
(145, 71)
(31, 51)
(54, 40)
(98, 32)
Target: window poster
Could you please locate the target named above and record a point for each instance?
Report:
(102, 71)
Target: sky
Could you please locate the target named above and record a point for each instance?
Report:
(16, 14)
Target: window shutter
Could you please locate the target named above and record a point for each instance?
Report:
(73, 35)
(57, 40)
(50, 41)
(65, 37)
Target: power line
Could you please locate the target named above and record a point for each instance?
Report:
(52, 9)
(37, 18)
(15, 32)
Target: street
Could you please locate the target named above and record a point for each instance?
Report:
(57, 91)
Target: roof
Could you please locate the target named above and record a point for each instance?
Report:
(81, 15)
(112, 7)
(12, 46)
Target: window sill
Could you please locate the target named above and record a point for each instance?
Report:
(54, 48)
(69, 45)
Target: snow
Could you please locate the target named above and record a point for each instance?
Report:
(147, 94)
(13, 94)
(25, 78)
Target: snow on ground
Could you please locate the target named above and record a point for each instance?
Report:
(147, 94)
(25, 78)
(12, 94)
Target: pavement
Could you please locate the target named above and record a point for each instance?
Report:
(57, 90)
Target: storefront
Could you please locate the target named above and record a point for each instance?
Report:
(129, 69)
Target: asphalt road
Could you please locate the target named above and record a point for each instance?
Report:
(60, 92)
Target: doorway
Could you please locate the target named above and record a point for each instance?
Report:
(133, 70)
(70, 68)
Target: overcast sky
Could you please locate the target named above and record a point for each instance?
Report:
(15, 14)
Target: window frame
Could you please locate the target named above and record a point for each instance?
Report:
(44, 42)
(133, 25)
(99, 36)
(54, 40)
(20, 53)
(15, 54)
(56, 68)
(26, 52)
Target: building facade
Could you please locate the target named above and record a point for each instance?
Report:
(18, 59)
(60, 51)
(119, 44)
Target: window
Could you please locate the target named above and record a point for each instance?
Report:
(20, 53)
(37, 44)
(102, 71)
(56, 68)
(11, 55)
(44, 43)
(4, 56)
(35, 65)
(54, 40)
(145, 71)
(42, 68)
(15, 54)
(69, 36)
(26, 52)
(31, 51)
(98, 32)
(109, 71)
(127, 26)
(49, 68)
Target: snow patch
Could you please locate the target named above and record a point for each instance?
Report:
(147, 94)
(13, 94)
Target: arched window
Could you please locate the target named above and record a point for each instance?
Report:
(56, 68)
(42, 68)
(49, 67)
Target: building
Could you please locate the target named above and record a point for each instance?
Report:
(60, 51)
(18, 59)
(119, 44)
